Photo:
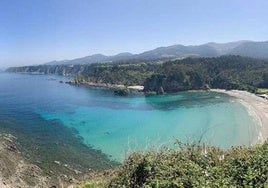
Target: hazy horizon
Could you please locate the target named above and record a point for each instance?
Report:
(35, 31)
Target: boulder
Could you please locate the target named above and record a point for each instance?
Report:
(122, 91)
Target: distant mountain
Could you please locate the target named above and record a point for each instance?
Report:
(124, 54)
(177, 51)
(96, 58)
(251, 49)
(212, 49)
(223, 48)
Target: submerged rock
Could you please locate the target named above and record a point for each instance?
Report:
(15, 171)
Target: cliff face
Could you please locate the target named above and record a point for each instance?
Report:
(64, 70)
(15, 171)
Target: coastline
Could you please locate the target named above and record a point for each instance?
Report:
(16, 170)
(257, 108)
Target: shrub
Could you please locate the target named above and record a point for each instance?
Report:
(187, 167)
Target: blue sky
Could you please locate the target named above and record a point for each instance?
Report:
(38, 31)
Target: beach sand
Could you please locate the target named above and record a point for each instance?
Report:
(257, 108)
(140, 88)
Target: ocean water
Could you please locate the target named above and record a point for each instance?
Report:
(108, 127)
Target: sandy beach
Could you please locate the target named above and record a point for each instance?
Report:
(257, 108)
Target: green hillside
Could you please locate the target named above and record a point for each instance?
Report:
(226, 72)
(189, 166)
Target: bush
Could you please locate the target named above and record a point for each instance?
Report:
(187, 167)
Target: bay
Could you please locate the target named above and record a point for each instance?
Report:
(40, 107)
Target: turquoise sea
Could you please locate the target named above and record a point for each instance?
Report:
(52, 116)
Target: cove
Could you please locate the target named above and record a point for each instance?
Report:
(115, 125)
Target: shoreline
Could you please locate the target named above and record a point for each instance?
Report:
(106, 85)
(257, 108)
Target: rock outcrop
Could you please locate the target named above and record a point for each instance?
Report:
(15, 171)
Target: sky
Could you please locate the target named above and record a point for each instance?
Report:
(39, 31)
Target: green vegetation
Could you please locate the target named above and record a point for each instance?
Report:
(226, 72)
(262, 91)
(120, 74)
(188, 167)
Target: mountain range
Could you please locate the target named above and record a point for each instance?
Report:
(212, 49)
